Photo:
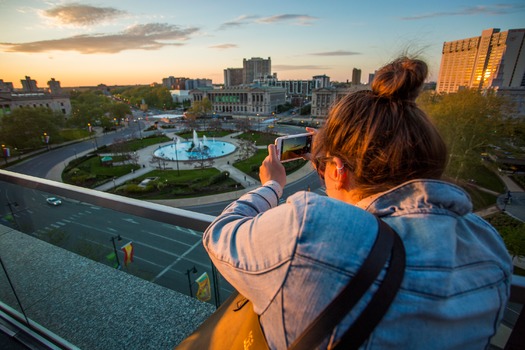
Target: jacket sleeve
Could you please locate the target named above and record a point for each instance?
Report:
(252, 242)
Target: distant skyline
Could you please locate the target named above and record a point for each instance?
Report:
(86, 43)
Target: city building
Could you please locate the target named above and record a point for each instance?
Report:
(233, 77)
(323, 99)
(197, 83)
(493, 60)
(30, 96)
(255, 68)
(172, 83)
(180, 96)
(242, 100)
(356, 76)
(321, 81)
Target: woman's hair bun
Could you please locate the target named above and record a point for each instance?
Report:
(401, 79)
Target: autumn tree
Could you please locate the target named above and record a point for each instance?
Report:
(469, 121)
(201, 108)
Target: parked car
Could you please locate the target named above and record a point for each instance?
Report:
(53, 201)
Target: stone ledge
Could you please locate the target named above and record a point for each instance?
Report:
(90, 305)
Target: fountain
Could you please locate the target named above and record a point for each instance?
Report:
(194, 149)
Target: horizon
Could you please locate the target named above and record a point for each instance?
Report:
(82, 44)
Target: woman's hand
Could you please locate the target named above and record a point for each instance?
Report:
(271, 168)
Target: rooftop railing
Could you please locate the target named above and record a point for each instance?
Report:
(65, 281)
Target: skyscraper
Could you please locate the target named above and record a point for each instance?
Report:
(356, 76)
(254, 68)
(233, 76)
(493, 60)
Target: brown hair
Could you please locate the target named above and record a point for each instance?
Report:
(383, 137)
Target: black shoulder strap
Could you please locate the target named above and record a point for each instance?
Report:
(330, 317)
(377, 307)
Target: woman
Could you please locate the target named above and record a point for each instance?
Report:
(378, 154)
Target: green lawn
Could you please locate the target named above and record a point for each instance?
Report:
(89, 172)
(137, 144)
(261, 138)
(251, 165)
(73, 134)
(171, 184)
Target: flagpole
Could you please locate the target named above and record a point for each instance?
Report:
(115, 249)
(192, 270)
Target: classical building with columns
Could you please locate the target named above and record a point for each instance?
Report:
(242, 99)
(324, 98)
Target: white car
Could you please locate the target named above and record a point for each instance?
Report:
(53, 201)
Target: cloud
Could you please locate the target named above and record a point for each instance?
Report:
(250, 19)
(298, 19)
(238, 22)
(151, 36)
(280, 67)
(223, 46)
(83, 15)
(495, 10)
(336, 53)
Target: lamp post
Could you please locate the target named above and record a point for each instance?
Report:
(192, 270)
(176, 155)
(93, 135)
(118, 238)
(140, 129)
(6, 153)
(45, 138)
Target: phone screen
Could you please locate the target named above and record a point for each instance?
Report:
(295, 147)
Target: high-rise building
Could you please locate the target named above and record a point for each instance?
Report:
(321, 81)
(493, 60)
(356, 76)
(255, 68)
(233, 77)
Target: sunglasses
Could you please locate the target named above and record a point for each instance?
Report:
(320, 165)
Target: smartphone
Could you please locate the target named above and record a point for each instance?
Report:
(292, 147)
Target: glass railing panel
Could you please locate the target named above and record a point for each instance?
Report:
(163, 253)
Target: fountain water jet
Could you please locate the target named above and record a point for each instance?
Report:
(195, 149)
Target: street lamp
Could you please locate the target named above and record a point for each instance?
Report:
(140, 129)
(192, 270)
(176, 155)
(45, 139)
(6, 152)
(115, 249)
(93, 134)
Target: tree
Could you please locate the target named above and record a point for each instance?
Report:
(25, 127)
(514, 239)
(119, 110)
(88, 107)
(469, 121)
(201, 108)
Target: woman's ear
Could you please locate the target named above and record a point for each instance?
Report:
(341, 173)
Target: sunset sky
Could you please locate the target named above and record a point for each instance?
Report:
(116, 42)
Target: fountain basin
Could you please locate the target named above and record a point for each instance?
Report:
(183, 150)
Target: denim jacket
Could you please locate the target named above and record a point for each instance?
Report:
(291, 260)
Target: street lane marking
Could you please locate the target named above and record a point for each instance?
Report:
(176, 261)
